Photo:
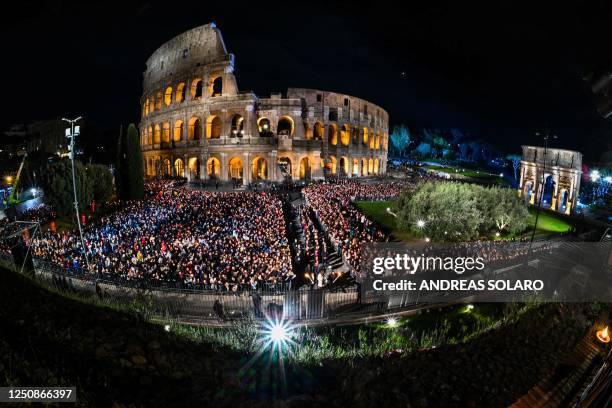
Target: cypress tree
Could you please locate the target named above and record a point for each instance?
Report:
(135, 173)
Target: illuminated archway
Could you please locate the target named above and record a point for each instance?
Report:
(194, 168)
(235, 168)
(150, 135)
(213, 127)
(213, 168)
(237, 126)
(179, 168)
(168, 96)
(332, 164)
(284, 164)
(180, 93)
(370, 166)
(194, 129)
(166, 132)
(332, 134)
(377, 145)
(147, 106)
(216, 87)
(355, 167)
(365, 135)
(376, 164)
(158, 101)
(305, 171)
(345, 135)
(263, 126)
(196, 88)
(259, 169)
(285, 126)
(319, 131)
(364, 167)
(157, 135)
(178, 131)
(344, 166)
(166, 171)
(307, 131)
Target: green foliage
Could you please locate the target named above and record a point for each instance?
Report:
(57, 184)
(101, 181)
(130, 168)
(459, 212)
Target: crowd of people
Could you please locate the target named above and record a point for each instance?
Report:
(182, 237)
(347, 227)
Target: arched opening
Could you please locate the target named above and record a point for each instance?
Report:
(194, 129)
(355, 167)
(237, 126)
(168, 96)
(365, 135)
(213, 168)
(150, 135)
(372, 142)
(344, 166)
(364, 167)
(196, 88)
(150, 168)
(285, 126)
(333, 115)
(147, 106)
(376, 164)
(549, 188)
(319, 130)
(370, 166)
(528, 190)
(263, 125)
(563, 200)
(235, 169)
(216, 89)
(194, 168)
(305, 173)
(158, 101)
(377, 145)
(179, 168)
(284, 164)
(180, 92)
(307, 131)
(157, 135)
(213, 127)
(332, 134)
(166, 132)
(260, 169)
(331, 164)
(345, 135)
(355, 135)
(178, 131)
(166, 168)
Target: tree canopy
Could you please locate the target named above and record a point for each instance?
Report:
(101, 181)
(452, 211)
(57, 184)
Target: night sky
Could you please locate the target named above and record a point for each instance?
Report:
(500, 71)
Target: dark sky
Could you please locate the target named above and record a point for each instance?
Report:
(500, 71)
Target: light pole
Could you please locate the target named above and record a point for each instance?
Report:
(71, 133)
(546, 136)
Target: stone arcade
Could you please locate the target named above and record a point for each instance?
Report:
(196, 124)
(554, 178)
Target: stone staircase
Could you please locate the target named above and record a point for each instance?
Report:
(559, 387)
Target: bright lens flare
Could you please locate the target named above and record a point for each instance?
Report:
(420, 223)
(392, 322)
(278, 333)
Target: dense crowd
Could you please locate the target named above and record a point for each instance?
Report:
(346, 225)
(214, 240)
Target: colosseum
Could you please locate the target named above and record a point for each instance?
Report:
(197, 124)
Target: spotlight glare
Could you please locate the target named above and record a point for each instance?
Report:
(420, 223)
(278, 333)
(392, 322)
(167, 327)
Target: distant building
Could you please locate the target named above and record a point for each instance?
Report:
(197, 124)
(550, 177)
(45, 136)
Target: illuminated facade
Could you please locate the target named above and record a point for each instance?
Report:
(552, 179)
(196, 124)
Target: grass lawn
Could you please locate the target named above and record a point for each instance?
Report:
(480, 175)
(377, 212)
(548, 222)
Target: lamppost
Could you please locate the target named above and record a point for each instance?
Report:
(546, 136)
(71, 133)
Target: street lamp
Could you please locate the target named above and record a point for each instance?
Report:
(71, 133)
